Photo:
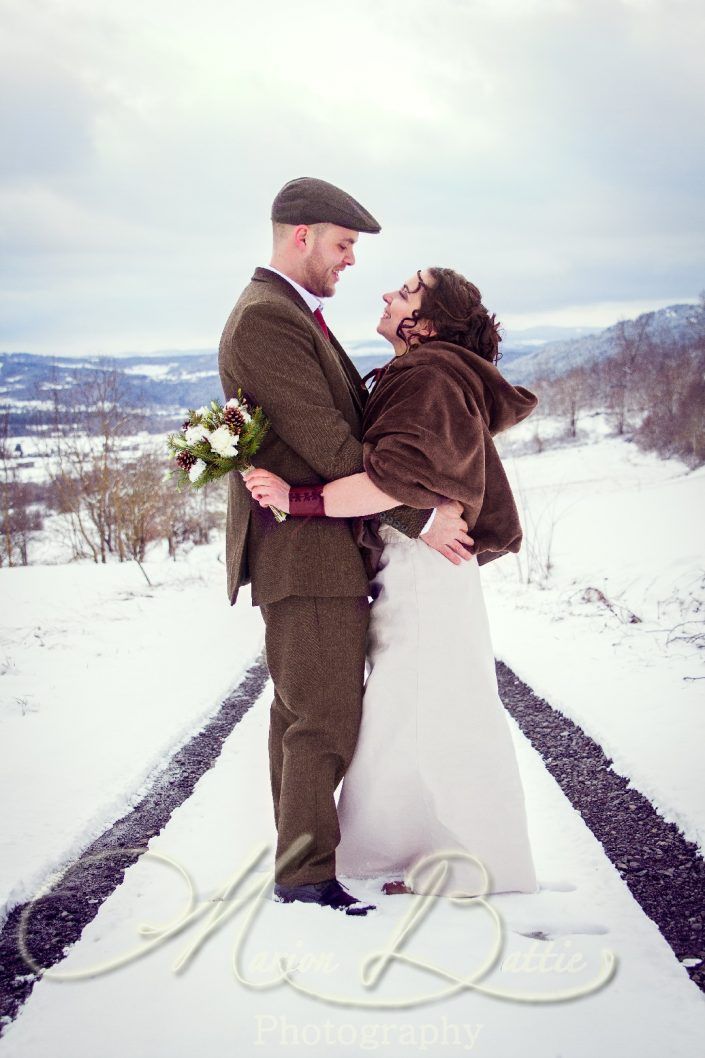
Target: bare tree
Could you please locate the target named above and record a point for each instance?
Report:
(619, 372)
(138, 499)
(5, 501)
(535, 558)
(20, 518)
(570, 394)
(89, 421)
(674, 423)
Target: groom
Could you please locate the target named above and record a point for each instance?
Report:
(307, 575)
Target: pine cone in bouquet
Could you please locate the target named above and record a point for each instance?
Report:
(185, 460)
(234, 418)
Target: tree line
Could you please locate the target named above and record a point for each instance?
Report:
(115, 502)
(651, 390)
(113, 496)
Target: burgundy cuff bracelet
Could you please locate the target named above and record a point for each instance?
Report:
(306, 500)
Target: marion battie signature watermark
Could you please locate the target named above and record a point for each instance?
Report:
(287, 969)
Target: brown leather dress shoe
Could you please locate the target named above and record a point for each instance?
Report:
(329, 893)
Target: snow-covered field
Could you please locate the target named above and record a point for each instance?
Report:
(37, 462)
(103, 677)
(626, 541)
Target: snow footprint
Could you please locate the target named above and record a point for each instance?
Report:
(549, 933)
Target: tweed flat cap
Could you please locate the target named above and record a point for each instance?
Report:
(310, 201)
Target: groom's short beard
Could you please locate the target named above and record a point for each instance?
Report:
(317, 276)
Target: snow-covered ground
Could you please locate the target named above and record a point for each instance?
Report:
(626, 541)
(103, 677)
(128, 997)
(38, 462)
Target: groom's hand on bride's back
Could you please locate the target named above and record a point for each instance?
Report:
(449, 533)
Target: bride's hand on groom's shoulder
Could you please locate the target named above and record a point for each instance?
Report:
(449, 533)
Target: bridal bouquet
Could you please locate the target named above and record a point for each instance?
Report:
(216, 439)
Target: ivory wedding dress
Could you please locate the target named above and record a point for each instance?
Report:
(434, 768)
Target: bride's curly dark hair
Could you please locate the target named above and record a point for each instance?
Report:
(453, 307)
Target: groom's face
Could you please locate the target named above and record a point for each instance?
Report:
(331, 251)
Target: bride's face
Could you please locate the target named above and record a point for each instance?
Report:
(399, 305)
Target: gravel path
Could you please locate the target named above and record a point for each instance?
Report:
(58, 919)
(663, 871)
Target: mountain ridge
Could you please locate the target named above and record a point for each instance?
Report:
(164, 384)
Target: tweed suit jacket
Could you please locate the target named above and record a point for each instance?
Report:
(312, 394)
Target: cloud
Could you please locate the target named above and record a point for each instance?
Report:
(550, 149)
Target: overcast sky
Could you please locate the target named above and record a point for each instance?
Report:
(551, 150)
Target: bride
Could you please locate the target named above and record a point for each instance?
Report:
(434, 769)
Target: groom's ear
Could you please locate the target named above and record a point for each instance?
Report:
(302, 236)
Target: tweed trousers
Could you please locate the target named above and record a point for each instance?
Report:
(315, 649)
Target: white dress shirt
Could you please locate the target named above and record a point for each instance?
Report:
(314, 303)
(311, 300)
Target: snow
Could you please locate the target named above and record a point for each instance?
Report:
(102, 678)
(228, 993)
(630, 525)
(25, 405)
(195, 376)
(38, 462)
(155, 371)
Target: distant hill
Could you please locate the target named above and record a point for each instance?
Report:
(515, 344)
(163, 385)
(673, 325)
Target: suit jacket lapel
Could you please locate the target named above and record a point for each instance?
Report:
(263, 275)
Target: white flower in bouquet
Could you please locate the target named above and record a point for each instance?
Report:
(203, 410)
(223, 441)
(197, 469)
(194, 434)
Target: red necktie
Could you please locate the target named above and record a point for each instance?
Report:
(376, 373)
(320, 321)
